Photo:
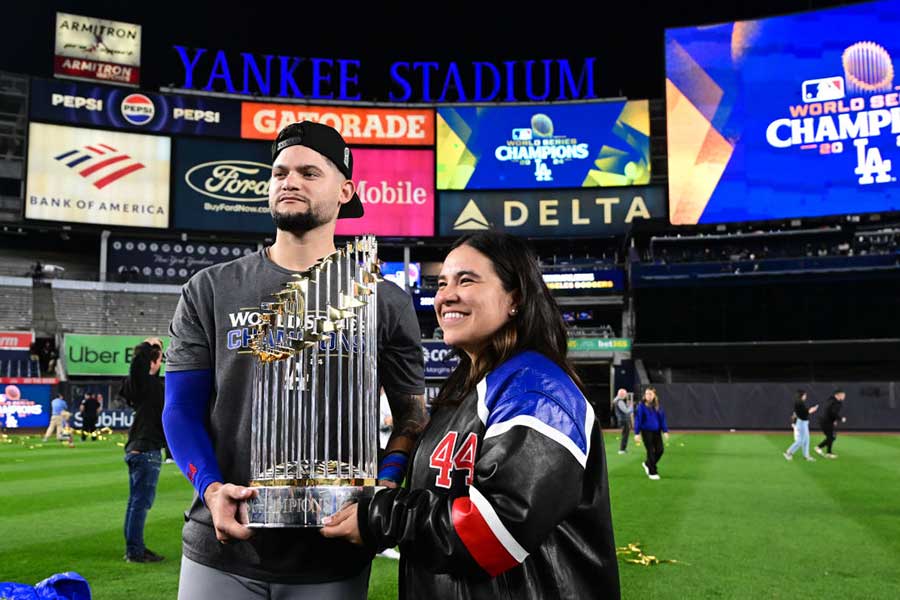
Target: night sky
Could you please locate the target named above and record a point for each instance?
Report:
(628, 46)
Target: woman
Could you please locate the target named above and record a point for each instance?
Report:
(650, 425)
(507, 492)
(801, 427)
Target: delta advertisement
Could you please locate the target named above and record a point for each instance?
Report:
(118, 108)
(108, 355)
(551, 213)
(24, 404)
(367, 126)
(97, 49)
(139, 260)
(596, 144)
(224, 186)
(97, 177)
(792, 116)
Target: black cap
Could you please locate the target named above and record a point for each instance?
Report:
(328, 142)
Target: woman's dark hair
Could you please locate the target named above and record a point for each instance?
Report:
(537, 325)
(655, 402)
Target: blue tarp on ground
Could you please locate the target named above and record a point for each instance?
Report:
(62, 586)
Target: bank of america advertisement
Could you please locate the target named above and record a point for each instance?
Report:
(597, 144)
(97, 49)
(224, 186)
(792, 116)
(97, 177)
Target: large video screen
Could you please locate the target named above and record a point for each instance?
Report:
(791, 116)
(99, 177)
(543, 146)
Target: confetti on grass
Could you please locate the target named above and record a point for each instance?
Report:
(632, 553)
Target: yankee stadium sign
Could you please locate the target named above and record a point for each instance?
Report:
(278, 76)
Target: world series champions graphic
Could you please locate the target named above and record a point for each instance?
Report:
(795, 116)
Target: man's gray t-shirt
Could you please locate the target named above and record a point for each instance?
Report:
(212, 322)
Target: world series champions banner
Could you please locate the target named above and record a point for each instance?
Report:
(793, 116)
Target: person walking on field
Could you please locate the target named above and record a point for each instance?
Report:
(59, 412)
(829, 421)
(801, 437)
(650, 425)
(90, 410)
(624, 408)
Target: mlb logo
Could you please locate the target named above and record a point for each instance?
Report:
(138, 109)
(521, 133)
(820, 90)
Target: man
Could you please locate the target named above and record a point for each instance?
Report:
(59, 413)
(209, 387)
(143, 391)
(624, 408)
(90, 409)
(829, 420)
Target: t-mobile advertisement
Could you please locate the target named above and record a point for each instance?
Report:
(397, 190)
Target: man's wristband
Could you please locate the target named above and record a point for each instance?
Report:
(393, 466)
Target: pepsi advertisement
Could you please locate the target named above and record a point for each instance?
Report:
(222, 186)
(784, 117)
(591, 144)
(125, 108)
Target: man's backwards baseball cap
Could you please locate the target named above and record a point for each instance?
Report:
(328, 142)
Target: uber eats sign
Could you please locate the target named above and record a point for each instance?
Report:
(102, 354)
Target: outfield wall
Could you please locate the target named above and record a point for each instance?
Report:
(869, 406)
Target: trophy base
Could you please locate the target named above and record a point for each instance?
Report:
(301, 506)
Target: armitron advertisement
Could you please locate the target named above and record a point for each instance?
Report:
(96, 105)
(786, 117)
(597, 144)
(97, 177)
(97, 49)
(369, 126)
(397, 191)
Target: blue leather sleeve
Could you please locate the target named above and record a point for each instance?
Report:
(184, 422)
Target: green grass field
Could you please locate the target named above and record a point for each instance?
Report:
(740, 521)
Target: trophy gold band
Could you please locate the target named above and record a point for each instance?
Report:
(314, 435)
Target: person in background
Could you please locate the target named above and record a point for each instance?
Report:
(801, 437)
(59, 414)
(508, 494)
(624, 409)
(828, 422)
(90, 410)
(144, 392)
(650, 426)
